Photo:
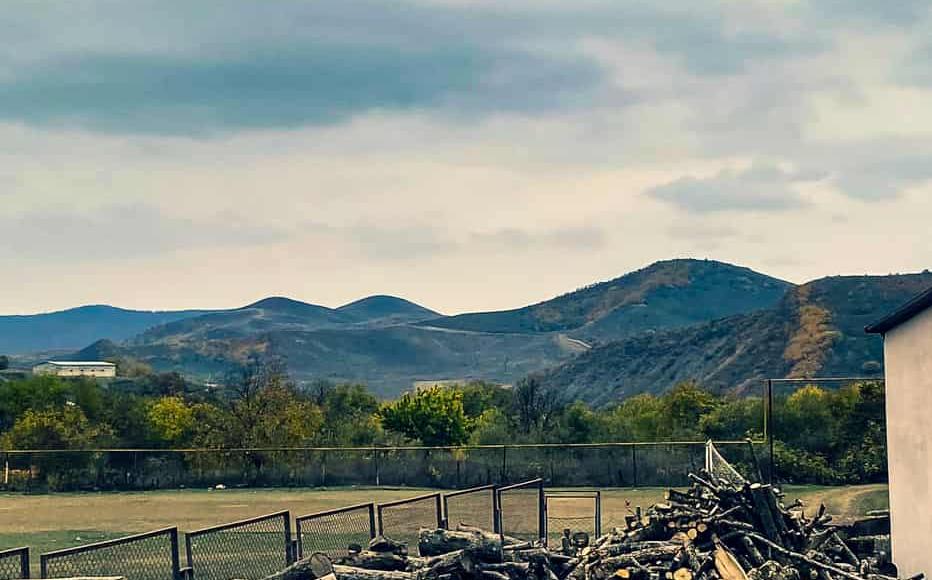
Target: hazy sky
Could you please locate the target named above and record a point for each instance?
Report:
(463, 154)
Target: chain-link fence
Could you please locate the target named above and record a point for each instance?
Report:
(14, 564)
(826, 430)
(570, 512)
(249, 549)
(521, 510)
(472, 507)
(579, 465)
(149, 556)
(400, 520)
(332, 531)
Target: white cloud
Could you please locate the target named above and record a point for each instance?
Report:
(584, 140)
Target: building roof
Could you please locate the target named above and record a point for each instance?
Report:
(79, 363)
(902, 314)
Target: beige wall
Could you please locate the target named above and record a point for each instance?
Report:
(82, 371)
(908, 369)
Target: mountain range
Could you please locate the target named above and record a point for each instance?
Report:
(724, 325)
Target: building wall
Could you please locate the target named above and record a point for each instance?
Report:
(908, 369)
(76, 371)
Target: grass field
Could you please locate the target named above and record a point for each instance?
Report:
(54, 521)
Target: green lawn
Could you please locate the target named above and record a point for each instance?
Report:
(55, 521)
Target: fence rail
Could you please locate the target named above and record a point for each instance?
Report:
(249, 549)
(473, 507)
(14, 564)
(332, 531)
(631, 464)
(521, 510)
(149, 556)
(401, 519)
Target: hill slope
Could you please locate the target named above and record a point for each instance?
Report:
(386, 310)
(76, 327)
(663, 295)
(275, 313)
(817, 329)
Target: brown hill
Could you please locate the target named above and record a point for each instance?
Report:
(817, 329)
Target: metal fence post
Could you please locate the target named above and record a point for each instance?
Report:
(598, 514)
(289, 552)
(372, 528)
(176, 558)
(541, 512)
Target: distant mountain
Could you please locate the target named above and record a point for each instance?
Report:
(270, 314)
(817, 329)
(384, 310)
(76, 327)
(390, 343)
(666, 294)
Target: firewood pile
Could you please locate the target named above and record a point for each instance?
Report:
(715, 530)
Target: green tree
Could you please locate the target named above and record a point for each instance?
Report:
(578, 424)
(171, 420)
(492, 427)
(480, 396)
(36, 393)
(4, 362)
(349, 415)
(434, 416)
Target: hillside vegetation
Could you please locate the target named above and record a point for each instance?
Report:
(817, 329)
(723, 325)
(666, 294)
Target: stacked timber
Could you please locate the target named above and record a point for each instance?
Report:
(715, 530)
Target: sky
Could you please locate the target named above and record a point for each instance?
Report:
(466, 155)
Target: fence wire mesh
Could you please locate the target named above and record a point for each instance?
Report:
(332, 531)
(473, 507)
(401, 520)
(248, 549)
(589, 465)
(14, 564)
(521, 510)
(149, 556)
(576, 511)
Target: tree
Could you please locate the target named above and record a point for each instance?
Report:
(64, 428)
(36, 393)
(171, 420)
(534, 406)
(578, 424)
(4, 362)
(434, 416)
(349, 415)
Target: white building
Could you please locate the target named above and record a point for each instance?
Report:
(75, 369)
(908, 369)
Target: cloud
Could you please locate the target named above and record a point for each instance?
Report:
(340, 60)
(572, 238)
(123, 232)
(760, 187)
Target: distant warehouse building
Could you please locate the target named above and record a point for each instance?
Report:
(907, 349)
(75, 369)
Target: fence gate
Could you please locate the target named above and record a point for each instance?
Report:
(14, 564)
(249, 549)
(400, 520)
(576, 511)
(521, 510)
(149, 556)
(472, 507)
(332, 531)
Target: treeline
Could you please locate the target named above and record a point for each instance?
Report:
(823, 436)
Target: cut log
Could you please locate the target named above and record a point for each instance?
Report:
(375, 560)
(435, 542)
(351, 573)
(314, 567)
